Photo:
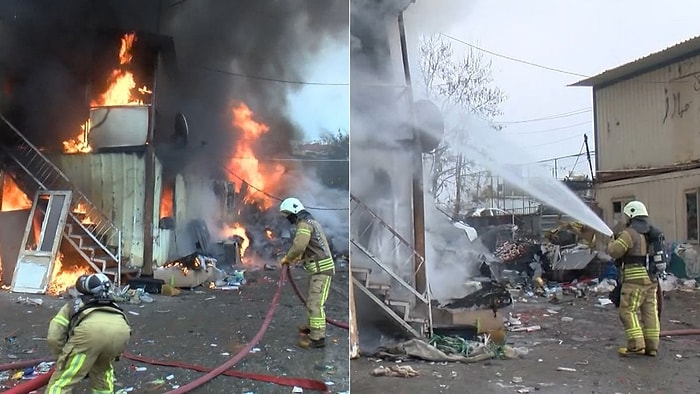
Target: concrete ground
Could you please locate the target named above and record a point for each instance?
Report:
(205, 327)
(588, 344)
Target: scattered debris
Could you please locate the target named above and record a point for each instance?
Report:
(565, 369)
(403, 371)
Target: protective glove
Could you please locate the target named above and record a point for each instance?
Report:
(285, 260)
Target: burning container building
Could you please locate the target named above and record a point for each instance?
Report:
(124, 193)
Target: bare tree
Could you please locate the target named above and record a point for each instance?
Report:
(463, 85)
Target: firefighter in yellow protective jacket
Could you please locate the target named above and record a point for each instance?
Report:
(639, 282)
(87, 336)
(311, 247)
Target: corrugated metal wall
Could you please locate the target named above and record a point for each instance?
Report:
(650, 120)
(115, 183)
(664, 196)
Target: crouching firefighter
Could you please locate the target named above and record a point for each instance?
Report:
(87, 336)
(311, 247)
(641, 250)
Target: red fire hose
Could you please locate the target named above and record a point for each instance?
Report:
(304, 383)
(336, 323)
(31, 385)
(309, 384)
(238, 357)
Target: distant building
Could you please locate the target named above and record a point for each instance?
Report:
(647, 137)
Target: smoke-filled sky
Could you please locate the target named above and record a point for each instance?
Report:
(48, 52)
(584, 37)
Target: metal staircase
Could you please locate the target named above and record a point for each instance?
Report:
(392, 292)
(92, 234)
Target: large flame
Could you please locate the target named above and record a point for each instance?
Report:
(13, 198)
(238, 230)
(64, 276)
(244, 164)
(166, 203)
(121, 91)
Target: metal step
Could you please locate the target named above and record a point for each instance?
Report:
(33, 172)
(388, 311)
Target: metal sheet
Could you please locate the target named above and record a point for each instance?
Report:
(573, 259)
(664, 196)
(650, 120)
(114, 182)
(118, 126)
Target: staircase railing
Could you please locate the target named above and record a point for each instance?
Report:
(403, 251)
(49, 177)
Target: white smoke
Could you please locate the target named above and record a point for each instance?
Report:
(328, 206)
(451, 258)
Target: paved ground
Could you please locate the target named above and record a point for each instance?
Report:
(588, 344)
(205, 327)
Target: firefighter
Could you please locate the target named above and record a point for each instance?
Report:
(311, 247)
(638, 291)
(87, 336)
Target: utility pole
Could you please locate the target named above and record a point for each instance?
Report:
(418, 198)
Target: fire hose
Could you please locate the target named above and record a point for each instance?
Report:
(43, 379)
(336, 323)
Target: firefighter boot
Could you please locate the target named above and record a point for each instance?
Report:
(303, 329)
(624, 351)
(308, 343)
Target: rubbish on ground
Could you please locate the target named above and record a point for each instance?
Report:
(170, 291)
(225, 354)
(567, 319)
(140, 369)
(134, 313)
(584, 362)
(403, 371)
(565, 369)
(226, 288)
(170, 377)
(526, 329)
(297, 389)
(210, 298)
(30, 301)
(604, 301)
(255, 350)
(517, 379)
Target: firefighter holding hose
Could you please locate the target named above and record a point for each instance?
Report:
(87, 336)
(311, 247)
(640, 248)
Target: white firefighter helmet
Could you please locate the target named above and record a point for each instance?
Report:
(291, 205)
(634, 209)
(93, 284)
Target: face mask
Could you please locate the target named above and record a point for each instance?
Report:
(292, 218)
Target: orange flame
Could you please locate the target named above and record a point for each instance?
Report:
(166, 203)
(120, 92)
(80, 210)
(245, 165)
(64, 276)
(125, 50)
(237, 229)
(13, 198)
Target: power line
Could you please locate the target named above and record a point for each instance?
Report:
(280, 199)
(553, 142)
(515, 59)
(551, 117)
(256, 77)
(550, 130)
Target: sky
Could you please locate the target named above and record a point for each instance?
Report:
(324, 108)
(582, 37)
